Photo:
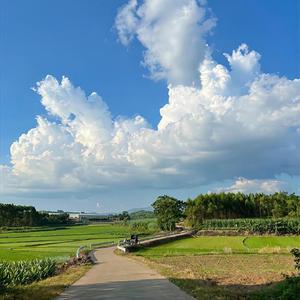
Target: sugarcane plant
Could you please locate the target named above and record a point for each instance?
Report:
(25, 272)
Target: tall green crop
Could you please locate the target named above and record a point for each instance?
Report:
(262, 225)
(25, 272)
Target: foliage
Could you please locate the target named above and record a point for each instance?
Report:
(124, 216)
(19, 215)
(47, 289)
(25, 272)
(239, 205)
(296, 253)
(168, 211)
(144, 226)
(266, 225)
(289, 289)
(142, 214)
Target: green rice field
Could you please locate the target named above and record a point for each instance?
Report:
(59, 243)
(224, 244)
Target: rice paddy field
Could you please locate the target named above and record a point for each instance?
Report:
(59, 243)
(225, 267)
(224, 244)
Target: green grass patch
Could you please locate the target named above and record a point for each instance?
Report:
(284, 242)
(194, 246)
(223, 244)
(60, 243)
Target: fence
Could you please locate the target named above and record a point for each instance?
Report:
(94, 245)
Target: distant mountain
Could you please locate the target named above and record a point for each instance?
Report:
(149, 208)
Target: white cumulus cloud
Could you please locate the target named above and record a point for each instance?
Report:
(231, 126)
(173, 33)
(237, 122)
(247, 186)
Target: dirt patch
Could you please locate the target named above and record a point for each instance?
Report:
(231, 276)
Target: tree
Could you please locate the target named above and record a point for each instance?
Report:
(124, 216)
(19, 215)
(168, 211)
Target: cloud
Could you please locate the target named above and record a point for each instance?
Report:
(173, 33)
(254, 186)
(237, 122)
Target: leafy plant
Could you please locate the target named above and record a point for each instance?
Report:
(25, 272)
(168, 211)
(144, 226)
(296, 253)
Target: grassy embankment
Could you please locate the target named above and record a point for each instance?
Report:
(224, 267)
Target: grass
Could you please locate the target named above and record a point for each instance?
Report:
(284, 242)
(223, 244)
(46, 289)
(60, 243)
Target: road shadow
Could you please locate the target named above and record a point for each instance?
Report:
(161, 289)
(136, 289)
(150, 289)
(210, 289)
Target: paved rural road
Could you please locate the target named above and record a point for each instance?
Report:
(119, 277)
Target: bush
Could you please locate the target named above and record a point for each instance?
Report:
(145, 226)
(296, 253)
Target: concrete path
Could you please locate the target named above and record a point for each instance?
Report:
(119, 277)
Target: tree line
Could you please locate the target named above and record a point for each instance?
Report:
(169, 210)
(239, 205)
(19, 215)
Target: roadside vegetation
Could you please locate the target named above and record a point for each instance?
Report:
(25, 272)
(46, 289)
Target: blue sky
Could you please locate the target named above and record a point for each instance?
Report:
(78, 39)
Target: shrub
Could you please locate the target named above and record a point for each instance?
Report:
(296, 253)
(145, 226)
